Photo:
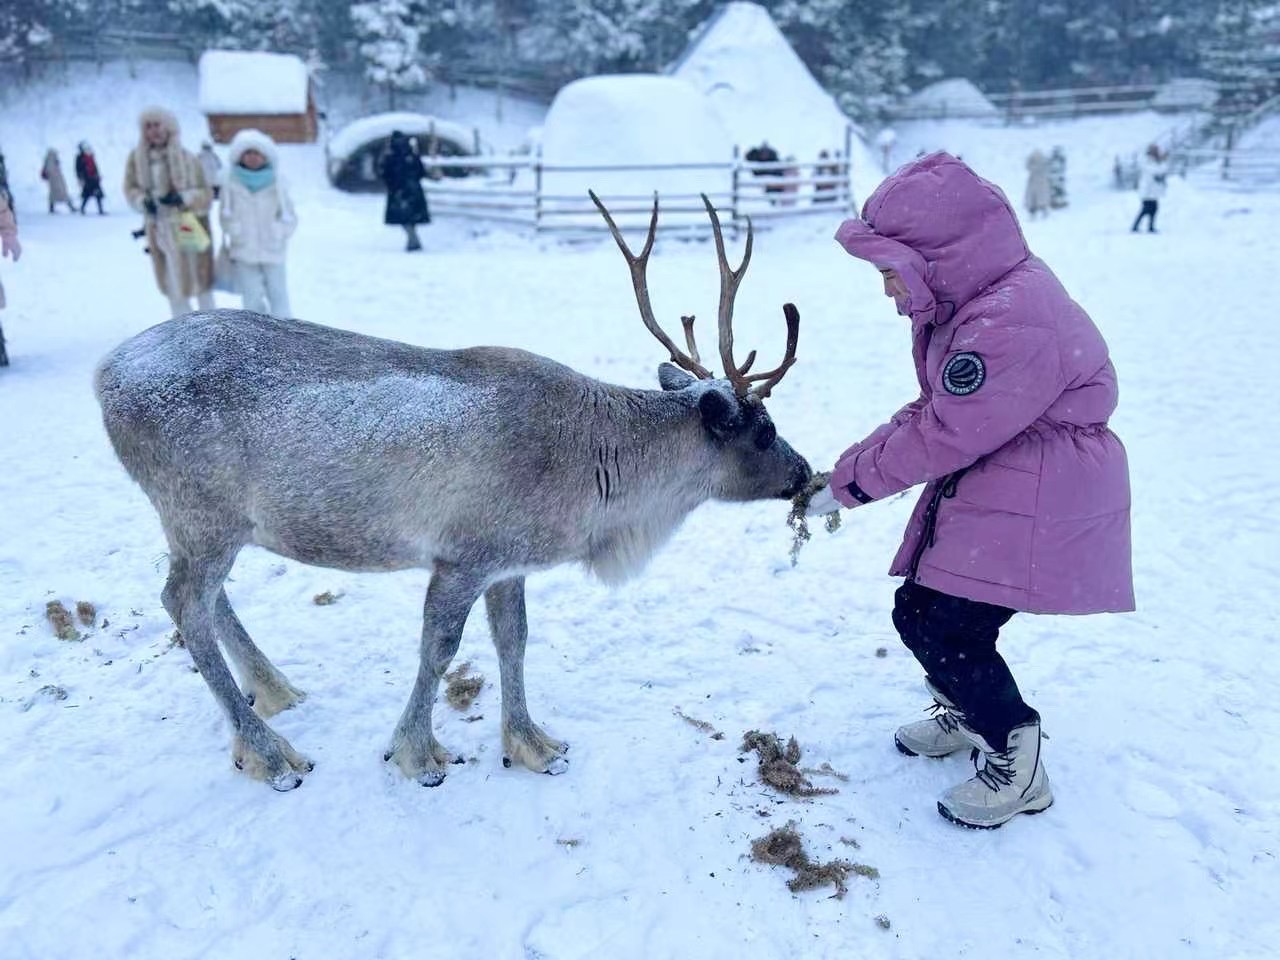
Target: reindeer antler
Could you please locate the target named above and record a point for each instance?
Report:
(738, 376)
(638, 263)
(729, 281)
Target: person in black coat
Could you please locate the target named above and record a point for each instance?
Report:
(402, 171)
(765, 154)
(89, 176)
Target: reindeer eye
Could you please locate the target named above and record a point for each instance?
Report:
(765, 435)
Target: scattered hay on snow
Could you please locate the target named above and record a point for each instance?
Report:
(86, 612)
(462, 688)
(59, 618)
(778, 765)
(784, 847)
(326, 598)
(48, 691)
(799, 523)
(699, 724)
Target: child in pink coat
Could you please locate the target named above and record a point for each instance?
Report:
(1026, 499)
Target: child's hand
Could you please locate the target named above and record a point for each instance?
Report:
(822, 503)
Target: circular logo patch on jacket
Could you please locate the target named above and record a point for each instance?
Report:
(963, 374)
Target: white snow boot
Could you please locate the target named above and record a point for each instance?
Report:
(1007, 783)
(941, 735)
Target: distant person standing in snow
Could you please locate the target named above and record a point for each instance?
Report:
(1026, 498)
(212, 168)
(4, 183)
(826, 178)
(257, 221)
(1151, 187)
(89, 177)
(1057, 178)
(765, 154)
(51, 173)
(1037, 194)
(402, 171)
(163, 181)
(9, 247)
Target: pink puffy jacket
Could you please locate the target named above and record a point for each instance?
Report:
(1027, 496)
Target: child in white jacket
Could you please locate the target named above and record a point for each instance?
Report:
(257, 218)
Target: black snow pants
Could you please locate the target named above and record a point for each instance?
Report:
(1148, 210)
(955, 641)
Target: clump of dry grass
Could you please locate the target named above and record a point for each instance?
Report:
(883, 922)
(86, 612)
(59, 618)
(50, 691)
(799, 523)
(699, 724)
(784, 847)
(326, 598)
(462, 687)
(778, 764)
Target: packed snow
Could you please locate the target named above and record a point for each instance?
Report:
(126, 831)
(238, 81)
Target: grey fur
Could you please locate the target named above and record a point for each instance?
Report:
(346, 451)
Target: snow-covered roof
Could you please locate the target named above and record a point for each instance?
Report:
(243, 82)
(956, 97)
(635, 119)
(759, 85)
(379, 126)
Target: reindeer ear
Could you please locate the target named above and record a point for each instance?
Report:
(672, 377)
(719, 413)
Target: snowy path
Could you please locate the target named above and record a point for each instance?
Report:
(125, 832)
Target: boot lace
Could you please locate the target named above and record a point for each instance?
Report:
(944, 716)
(997, 771)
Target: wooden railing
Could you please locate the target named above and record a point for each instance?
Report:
(522, 191)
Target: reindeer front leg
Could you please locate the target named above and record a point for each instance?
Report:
(414, 747)
(523, 741)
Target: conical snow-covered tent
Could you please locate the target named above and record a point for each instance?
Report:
(759, 86)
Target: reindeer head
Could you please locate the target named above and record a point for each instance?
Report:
(754, 462)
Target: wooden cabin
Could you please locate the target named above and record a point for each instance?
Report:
(271, 92)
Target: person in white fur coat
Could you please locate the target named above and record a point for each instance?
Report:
(257, 219)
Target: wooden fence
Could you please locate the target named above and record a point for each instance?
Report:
(522, 191)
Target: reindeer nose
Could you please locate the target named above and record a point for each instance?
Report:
(799, 480)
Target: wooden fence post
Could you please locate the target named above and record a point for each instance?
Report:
(847, 180)
(733, 189)
(537, 189)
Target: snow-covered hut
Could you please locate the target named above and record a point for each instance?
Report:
(354, 151)
(640, 121)
(271, 92)
(955, 97)
(758, 84)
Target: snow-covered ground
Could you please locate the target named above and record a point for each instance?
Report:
(125, 832)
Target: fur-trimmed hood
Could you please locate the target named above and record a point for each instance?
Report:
(251, 139)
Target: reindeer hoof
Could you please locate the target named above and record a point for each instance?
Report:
(557, 766)
(285, 782)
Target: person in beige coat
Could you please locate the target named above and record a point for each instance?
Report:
(1038, 191)
(51, 173)
(9, 247)
(162, 180)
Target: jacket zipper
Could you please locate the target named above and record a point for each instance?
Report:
(946, 489)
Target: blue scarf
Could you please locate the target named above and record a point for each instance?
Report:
(255, 180)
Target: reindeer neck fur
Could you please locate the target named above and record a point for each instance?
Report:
(650, 464)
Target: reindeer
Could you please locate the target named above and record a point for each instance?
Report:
(483, 465)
